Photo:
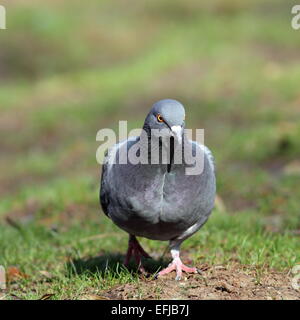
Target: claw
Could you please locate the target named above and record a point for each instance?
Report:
(199, 271)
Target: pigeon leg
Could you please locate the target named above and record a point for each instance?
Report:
(136, 250)
(177, 265)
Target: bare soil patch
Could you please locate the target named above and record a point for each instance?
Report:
(215, 283)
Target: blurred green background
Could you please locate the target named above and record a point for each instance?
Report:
(68, 69)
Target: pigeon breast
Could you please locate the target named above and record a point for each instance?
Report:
(149, 201)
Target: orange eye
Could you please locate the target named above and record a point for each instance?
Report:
(159, 118)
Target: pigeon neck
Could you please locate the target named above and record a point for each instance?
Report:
(163, 154)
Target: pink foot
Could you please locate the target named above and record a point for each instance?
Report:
(136, 250)
(177, 265)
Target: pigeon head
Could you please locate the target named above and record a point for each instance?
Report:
(166, 116)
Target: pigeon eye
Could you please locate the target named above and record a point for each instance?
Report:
(159, 118)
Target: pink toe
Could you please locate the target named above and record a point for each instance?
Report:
(167, 270)
(188, 269)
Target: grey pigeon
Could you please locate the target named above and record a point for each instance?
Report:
(159, 201)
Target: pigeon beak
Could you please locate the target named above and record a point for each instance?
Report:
(177, 132)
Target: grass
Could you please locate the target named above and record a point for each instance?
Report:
(64, 76)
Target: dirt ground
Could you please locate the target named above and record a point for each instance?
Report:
(215, 283)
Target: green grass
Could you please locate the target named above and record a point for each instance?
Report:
(66, 73)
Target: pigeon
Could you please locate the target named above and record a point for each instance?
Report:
(158, 200)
